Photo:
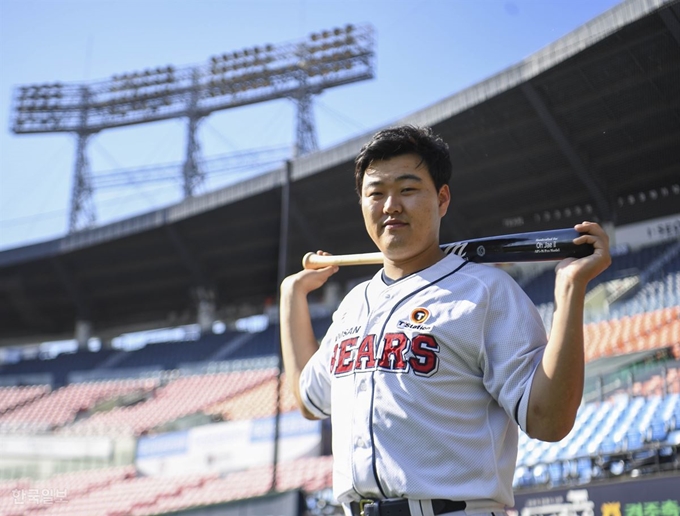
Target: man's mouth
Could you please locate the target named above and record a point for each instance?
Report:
(394, 224)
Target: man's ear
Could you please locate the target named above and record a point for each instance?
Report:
(444, 197)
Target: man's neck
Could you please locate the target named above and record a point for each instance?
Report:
(397, 269)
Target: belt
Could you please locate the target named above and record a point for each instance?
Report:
(400, 507)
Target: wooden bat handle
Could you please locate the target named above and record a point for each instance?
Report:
(317, 261)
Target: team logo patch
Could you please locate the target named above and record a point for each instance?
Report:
(420, 315)
(416, 320)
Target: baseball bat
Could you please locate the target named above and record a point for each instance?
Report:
(533, 246)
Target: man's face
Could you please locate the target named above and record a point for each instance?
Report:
(402, 209)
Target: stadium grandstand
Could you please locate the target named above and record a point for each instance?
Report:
(195, 419)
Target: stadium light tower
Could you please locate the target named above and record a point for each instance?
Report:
(294, 70)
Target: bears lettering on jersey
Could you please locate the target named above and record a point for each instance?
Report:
(397, 354)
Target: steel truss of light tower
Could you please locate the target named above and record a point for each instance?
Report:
(294, 70)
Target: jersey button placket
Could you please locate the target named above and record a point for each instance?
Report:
(361, 434)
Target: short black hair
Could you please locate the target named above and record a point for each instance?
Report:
(406, 139)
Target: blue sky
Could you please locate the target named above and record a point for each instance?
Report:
(426, 50)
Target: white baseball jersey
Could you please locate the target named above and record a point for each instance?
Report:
(426, 381)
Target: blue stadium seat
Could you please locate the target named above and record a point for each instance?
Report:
(634, 440)
(584, 469)
(557, 474)
(657, 431)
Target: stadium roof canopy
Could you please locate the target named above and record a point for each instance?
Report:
(587, 128)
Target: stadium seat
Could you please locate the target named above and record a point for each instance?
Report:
(63, 405)
(180, 397)
(13, 397)
(584, 469)
(258, 402)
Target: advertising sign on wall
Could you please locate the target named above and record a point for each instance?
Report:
(55, 447)
(649, 232)
(229, 446)
(655, 496)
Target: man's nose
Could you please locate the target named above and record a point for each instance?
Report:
(392, 204)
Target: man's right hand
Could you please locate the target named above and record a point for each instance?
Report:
(308, 280)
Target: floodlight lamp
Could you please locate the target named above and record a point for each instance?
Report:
(325, 34)
(349, 28)
(313, 36)
(337, 31)
(269, 47)
(349, 40)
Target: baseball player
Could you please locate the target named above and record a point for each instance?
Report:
(428, 369)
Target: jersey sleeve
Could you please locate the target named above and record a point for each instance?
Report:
(514, 342)
(315, 380)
